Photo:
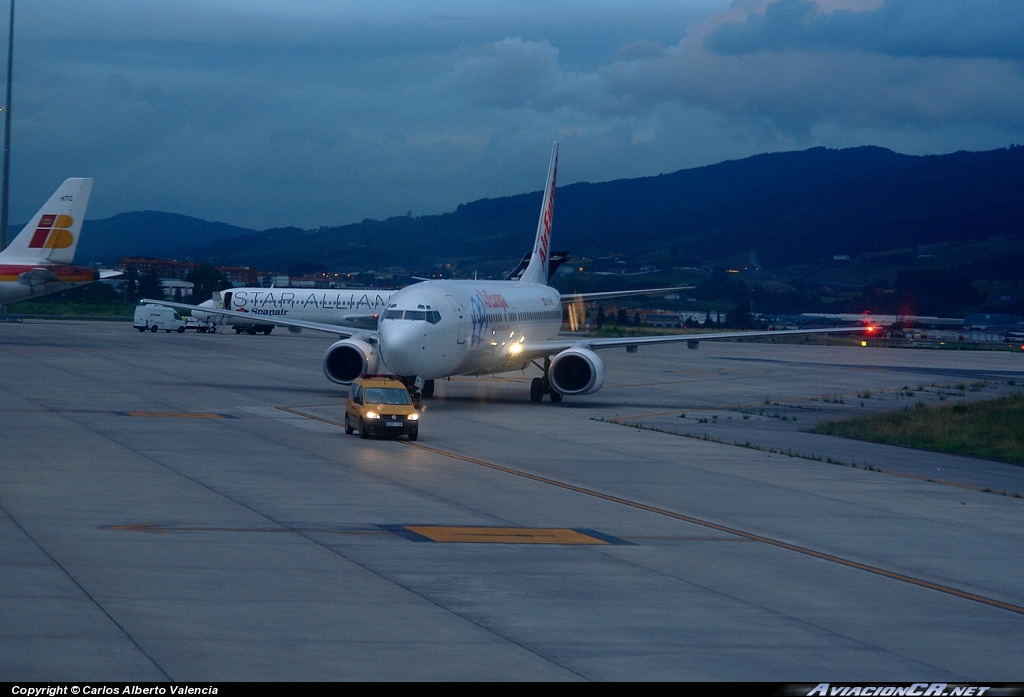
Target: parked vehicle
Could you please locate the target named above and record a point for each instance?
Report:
(157, 318)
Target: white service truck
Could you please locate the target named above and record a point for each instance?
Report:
(157, 318)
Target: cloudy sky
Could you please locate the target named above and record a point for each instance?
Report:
(264, 113)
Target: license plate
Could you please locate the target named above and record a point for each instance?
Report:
(395, 423)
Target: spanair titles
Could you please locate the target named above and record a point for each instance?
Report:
(341, 307)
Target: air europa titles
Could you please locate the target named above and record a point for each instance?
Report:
(479, 305)
(493, 300)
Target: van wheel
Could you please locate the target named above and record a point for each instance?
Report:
(142, 329)
(414, 435)
(362, 430)
(154, 329)
(348, 426)
(181, 330)
(212, 330)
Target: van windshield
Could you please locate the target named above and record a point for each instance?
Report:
(386, 395)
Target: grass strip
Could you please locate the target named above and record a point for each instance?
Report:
(992, 429)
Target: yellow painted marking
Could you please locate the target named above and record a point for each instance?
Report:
(896, 576)
(173, 415)
(753, 537)
(542, 536)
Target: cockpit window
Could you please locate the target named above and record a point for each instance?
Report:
(432, 316)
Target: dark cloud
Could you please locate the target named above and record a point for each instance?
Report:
(795, 68)
(263, 113)
(922, 28)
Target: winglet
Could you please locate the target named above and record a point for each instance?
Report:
(537, 270)
(51, 236)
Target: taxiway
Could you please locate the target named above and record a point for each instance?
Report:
(187, 507)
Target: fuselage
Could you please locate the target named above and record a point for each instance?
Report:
(344, 307)
(20, 281)
(440, 328)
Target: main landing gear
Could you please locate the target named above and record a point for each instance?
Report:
(540, 387)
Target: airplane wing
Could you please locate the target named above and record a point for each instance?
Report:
(588, 297)
(540, 349)
(341, 332)
(110, 273)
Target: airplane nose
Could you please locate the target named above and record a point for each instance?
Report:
(401, 346)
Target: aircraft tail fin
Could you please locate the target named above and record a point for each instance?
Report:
(537, 270)
(51, 236)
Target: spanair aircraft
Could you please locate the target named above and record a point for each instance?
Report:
(355, 309)
(38, 260)
(437, 329)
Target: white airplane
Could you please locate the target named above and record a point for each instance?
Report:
(357, 309)
(38, 260)
(444, 328)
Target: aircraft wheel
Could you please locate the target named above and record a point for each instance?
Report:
(212, 330)
(417, 400)
(556, 397)
(348, 426)
(537, 390)
(251, 331)
(362, 430)
(428, 389)
(267, 330)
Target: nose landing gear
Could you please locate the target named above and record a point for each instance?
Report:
(418, 393)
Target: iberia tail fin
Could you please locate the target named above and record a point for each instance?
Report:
(51, 236)
(537, 270)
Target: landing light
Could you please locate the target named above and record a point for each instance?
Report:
(515, 348)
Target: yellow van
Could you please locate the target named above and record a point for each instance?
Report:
(380, 405)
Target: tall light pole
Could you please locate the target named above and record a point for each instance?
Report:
(7, 133)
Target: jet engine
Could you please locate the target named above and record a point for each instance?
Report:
(347, 359)
(576, 371)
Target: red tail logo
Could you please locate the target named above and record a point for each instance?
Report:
(53, 233)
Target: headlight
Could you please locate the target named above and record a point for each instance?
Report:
(414, 417)
(372, 415)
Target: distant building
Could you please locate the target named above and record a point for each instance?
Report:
(994, 323)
